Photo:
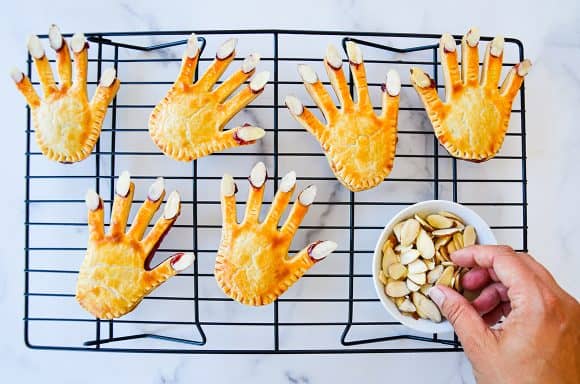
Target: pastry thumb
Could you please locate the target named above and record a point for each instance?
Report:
(472, 331)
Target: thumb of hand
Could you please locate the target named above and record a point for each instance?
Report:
(472, 331)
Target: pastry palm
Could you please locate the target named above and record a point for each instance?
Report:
(67, 125)
(472, 122)
(252, 264)
(188, 123)
(359, 145)
(115, 274)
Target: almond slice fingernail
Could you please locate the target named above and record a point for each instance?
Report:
(354, 52)
(420, 78)
(78, 42)
(524, 67)
(35, 47)
(294, 105)
(448, 43)
(172, 206)
(192, 47)
(307, 74)
(228, 186)
(496, 46)
(55, 38)
(333, 57)
(320, 250)
(108, 77)
(288, 182)
(92, 200)
(226, 49)
(248, 134)
(259, 81)
(156, 189)
(472, 37)
(258, 175)
(16, 75)
(393, 84)
(250, 62)
(307, 196)
(181, 261)
(123, 184)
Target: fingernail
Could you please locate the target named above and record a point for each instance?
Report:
(437, 295)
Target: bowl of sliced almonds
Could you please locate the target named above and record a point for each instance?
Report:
(412, 255)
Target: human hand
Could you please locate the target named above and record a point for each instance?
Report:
(539, 340)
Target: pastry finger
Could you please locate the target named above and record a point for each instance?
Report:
(358, 70)
(234, 81)
(312, 254)
(63, 63)
(514, 80)
(224, 56)
(25, 87)
(177, 263)
(428, 92)
(318, 92)
(448, 51)
(228, 201)
(42, 65)
(95, 215)
(282, 198)
(244, 135)
(470, 57)
(189, 62)
(257, 180)
(106, 91)
(492, 63)
(163, 224)
(299, 210)
(80, 48)
(148, 209)
(122, 204)
(333, 65)
(305, 117)
(245, 96)
(391, 90)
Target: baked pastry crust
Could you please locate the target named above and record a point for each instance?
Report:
(472, 122)
(188, 123)
(359, 145)
(115, 274)
(252, 264)
(67, 125)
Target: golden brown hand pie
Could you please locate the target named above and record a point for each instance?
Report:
(115, 274)
(66, 124)
(252, 265)
(472, 122)
(359, 145)
(188, 123)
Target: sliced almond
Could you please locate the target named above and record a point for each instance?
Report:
(419, 278)
(439, 222)
(399, 300)
(413, 287)
(382, 277)
(435, 274)
(425, 245)
(448, 263)
(451, 247)
(400, 249)
(425, 289)
(389, 258)
(397, 271)
(409, 256)
(423, 223)
(441, 241)
(459, 225)
(450, 215)
(445, 231)
(458, 240)
(469, 236)
(397, 289)
(430, 263)
(417, 266)
(409, 232)
(457, 280)
(397, 230)
(425, 307)
(446, 276)
(407, 306)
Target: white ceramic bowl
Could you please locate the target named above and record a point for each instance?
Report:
(484, 236)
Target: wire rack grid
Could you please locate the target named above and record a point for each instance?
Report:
(333, 309)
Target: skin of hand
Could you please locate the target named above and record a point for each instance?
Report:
(539, 339)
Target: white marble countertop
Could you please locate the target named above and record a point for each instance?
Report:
(551, 35)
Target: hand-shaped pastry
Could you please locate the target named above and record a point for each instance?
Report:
(252, 264)
(67, 125)
(472, 122)
(188, 123)
(115, 274)
(359, 145)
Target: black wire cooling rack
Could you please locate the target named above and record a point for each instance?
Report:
(333, 309)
